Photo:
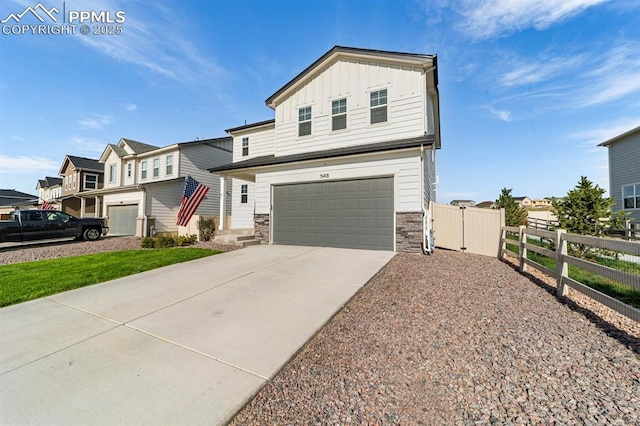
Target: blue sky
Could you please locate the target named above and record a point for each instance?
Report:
(527, 88)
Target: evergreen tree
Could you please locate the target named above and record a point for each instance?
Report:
(514, 215)
(582, 210)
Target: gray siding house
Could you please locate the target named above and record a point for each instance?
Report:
(624, 172)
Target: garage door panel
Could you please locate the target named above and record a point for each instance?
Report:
(353, 213)
(122, 219)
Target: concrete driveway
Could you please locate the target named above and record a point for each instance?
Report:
(184, 344)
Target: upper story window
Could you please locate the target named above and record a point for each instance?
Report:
(143, 170)
(169, 164)
(245, 147)
(129, 169)
(379, 106)
(156, 167)
(304, 121)
(112, 173)
(244, 194)
(73, 184)
(339, 114)
(90, 181)
(631, 196)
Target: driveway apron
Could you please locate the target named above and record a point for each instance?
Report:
(184, 344)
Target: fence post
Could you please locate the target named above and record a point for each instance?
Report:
(627, 230)
(503, 244)
(562, 269)
(523, 250)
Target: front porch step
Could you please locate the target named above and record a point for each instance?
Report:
(243, 237)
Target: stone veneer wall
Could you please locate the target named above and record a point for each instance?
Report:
(261, 227)
(409, 232)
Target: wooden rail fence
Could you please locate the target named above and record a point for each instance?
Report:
(563, 260)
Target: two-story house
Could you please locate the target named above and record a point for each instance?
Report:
(624, 172)
(50, 190)
(143, 183)
(348, 160)
(79, 175)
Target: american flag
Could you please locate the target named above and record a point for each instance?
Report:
(193, 194)
(47, 206)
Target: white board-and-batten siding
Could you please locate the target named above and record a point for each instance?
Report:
(404, 167)
(353, 80)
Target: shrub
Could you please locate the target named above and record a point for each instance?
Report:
(207, 228)
(186, 240)
(148, 242)
(164, 242)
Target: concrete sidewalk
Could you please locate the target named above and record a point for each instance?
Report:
(185, 344)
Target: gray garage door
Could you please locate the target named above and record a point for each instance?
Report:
(350, 214)
(122, 219)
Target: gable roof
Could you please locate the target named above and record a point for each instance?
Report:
(621, 136)
(138, 147)
(48, 182)
(343, 51)
(82, 163)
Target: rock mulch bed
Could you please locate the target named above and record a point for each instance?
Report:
(457, 339)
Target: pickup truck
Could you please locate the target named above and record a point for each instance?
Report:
(30, 225)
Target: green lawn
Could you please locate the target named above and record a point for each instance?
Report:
(626, 294)
(21, 282)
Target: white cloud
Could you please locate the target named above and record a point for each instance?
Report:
(590, 138)
(131, 107)
(153, 41)
(97, 122)
(541, 70)
(500, 114)
(27, 165)
(87, 145)
(489, 18)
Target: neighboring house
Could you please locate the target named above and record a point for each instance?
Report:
(50, 190)
(11, 200)
(624, 172)
(348, 161)
(79, 175)
(143, 183)
(463, 203)
(523, 202)
(541, 203)
(487, 205)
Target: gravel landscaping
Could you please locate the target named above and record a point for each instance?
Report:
(39, 251)
(456, 338)
(450, 338)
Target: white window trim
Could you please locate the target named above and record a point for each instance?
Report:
(245, 139)
(244, 191)
(339, 114)
(155, 171)
(84, 186)
(112, 176)
(310, 121)
(635, 196)
(143, 169)
(168, 163)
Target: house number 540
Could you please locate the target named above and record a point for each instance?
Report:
(324, 175)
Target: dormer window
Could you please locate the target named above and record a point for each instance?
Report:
(304, 121)
(379, 106)
(245, 147)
